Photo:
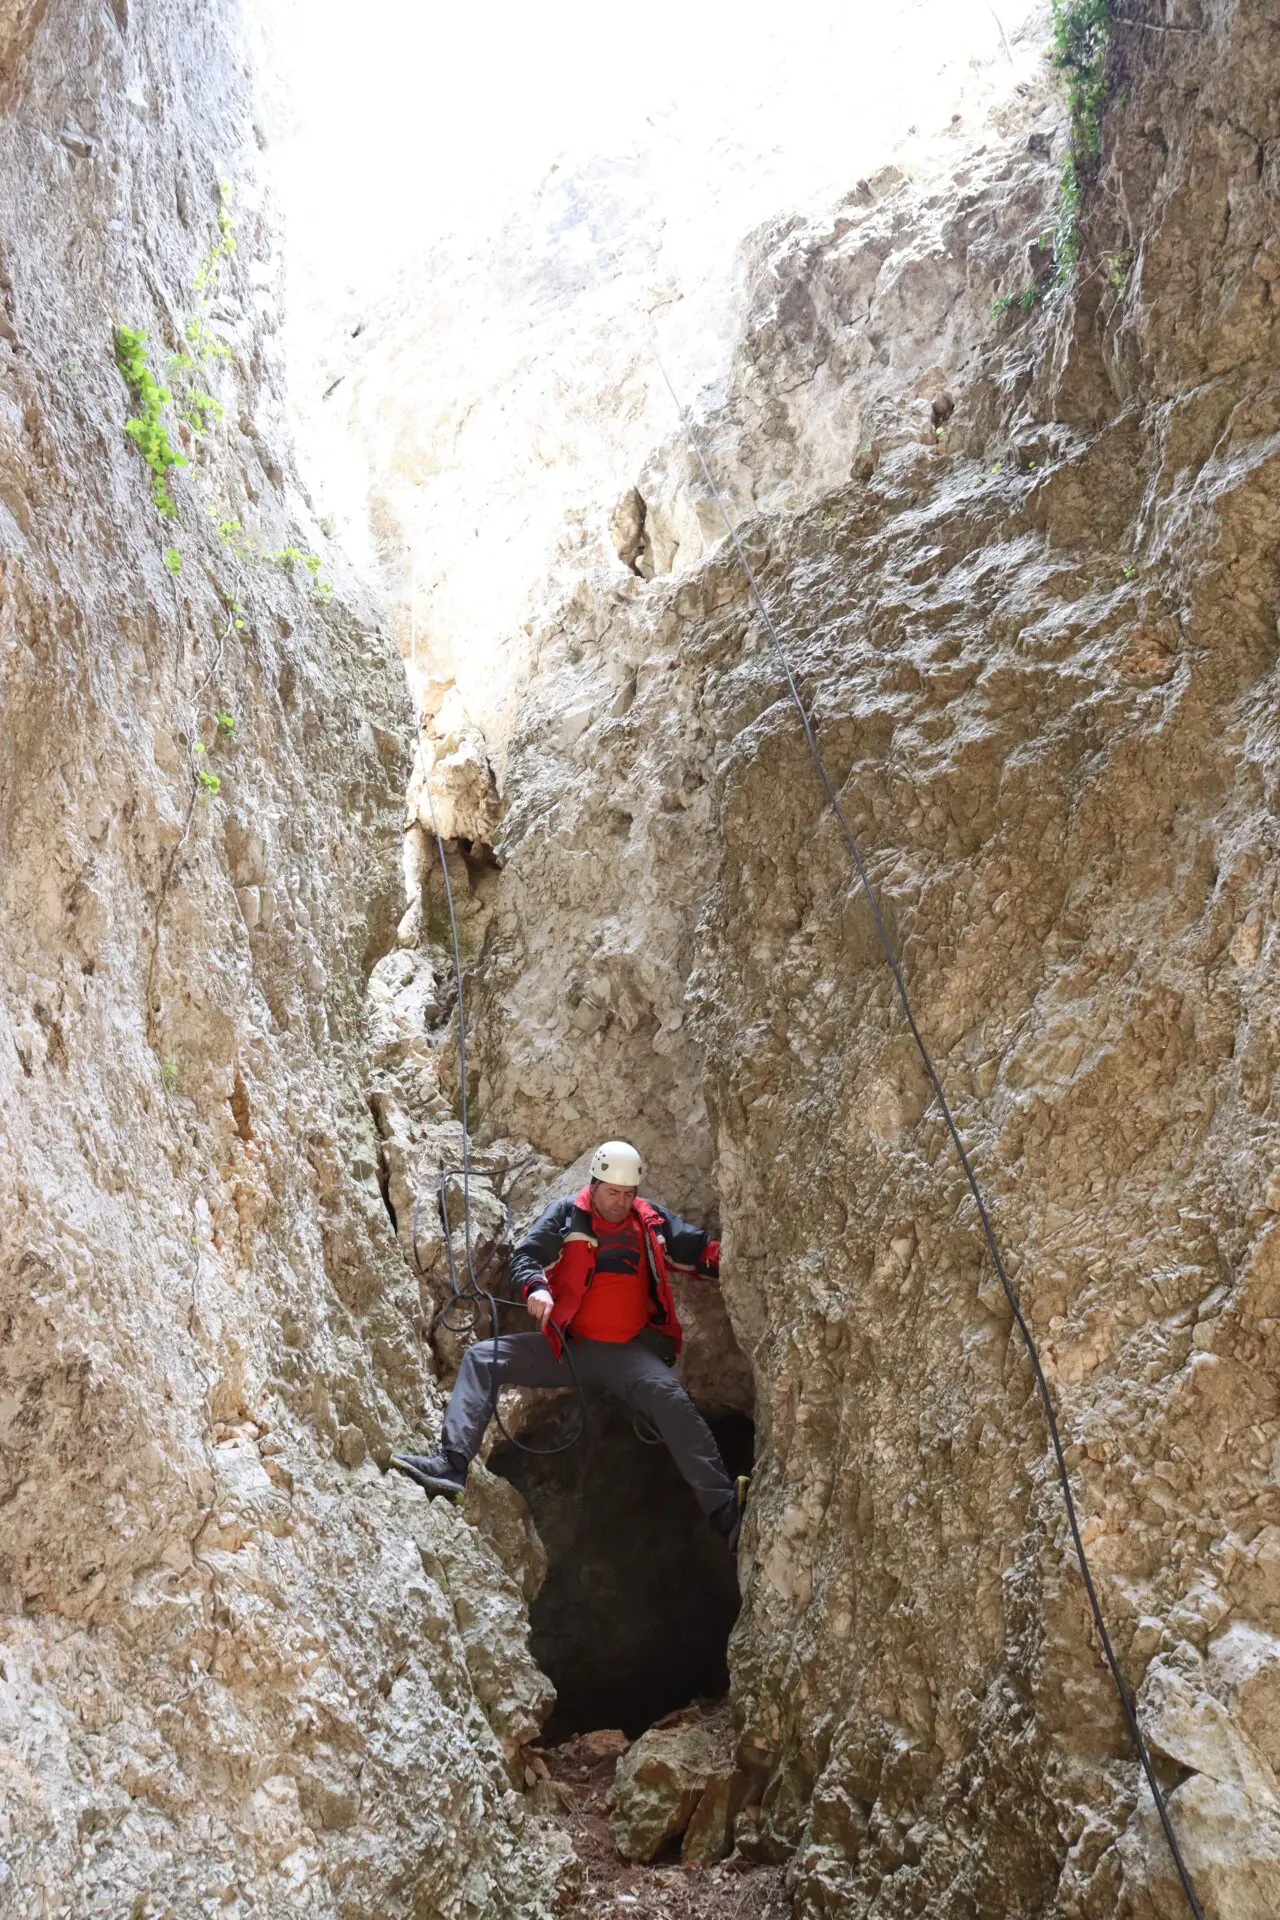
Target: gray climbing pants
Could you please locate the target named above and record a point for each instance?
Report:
(625, 1368)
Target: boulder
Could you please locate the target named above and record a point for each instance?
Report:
(658, 1786)
(707, 1836)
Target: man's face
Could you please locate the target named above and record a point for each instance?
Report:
(612, 1203)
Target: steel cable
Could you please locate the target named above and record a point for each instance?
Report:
(855, 854)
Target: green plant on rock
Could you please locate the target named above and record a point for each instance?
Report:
(322, 588)
(193, 363)
(1081, 31)
(235, 538)
(147, 428)
(201, 410)
(1024, 299)
(1116, 267)
(226, 722)
(1065, 231)
(169, 1075)
(173, 560)
(189, 369)
(202, 346)
(286, 557)
(192, 367)
(209, 272)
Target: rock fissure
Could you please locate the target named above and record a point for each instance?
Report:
(634, 1614)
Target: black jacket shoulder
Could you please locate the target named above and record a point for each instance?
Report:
(541, 1246)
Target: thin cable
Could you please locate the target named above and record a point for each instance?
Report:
(473, 1295)
(855, 853)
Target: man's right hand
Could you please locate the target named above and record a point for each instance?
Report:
(539, 1304)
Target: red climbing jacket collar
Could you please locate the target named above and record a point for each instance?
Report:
(572, 1273)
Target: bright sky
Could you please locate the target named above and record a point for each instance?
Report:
(402, 119)
(484, 210)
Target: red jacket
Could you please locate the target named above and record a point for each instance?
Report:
(559, 1253)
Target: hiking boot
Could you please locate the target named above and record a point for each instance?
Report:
(729, 1519)
(440, 1475)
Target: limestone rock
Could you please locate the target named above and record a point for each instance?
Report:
(1232, 1850)
(708, 1834)
(476, 421)
(241, 1671)
(1038, 647)
(660, 1782)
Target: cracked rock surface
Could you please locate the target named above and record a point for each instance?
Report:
(1040, 648)
(239, 1670)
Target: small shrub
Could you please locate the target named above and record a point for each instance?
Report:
(1081, 30)
(286, 556)
(209, 272)
(173, 560)
(147, 428)
(201, 410)
(1116, 266)
(1080, 33)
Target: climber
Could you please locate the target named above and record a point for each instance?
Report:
(593, 1270)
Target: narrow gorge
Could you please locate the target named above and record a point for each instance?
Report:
(291, 579)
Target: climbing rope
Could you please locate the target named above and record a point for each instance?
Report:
(860, 868)
(472, 1297)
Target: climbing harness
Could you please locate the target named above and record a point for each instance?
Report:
(860, 868)
(472, 1297)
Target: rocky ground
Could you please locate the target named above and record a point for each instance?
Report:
(575, 1783)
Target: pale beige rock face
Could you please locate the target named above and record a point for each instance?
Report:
(658, 1785)
(239, 1671)
(483, 397)
(1041, 656)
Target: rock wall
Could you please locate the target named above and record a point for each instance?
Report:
(1028, 564)
(1038, 627)
(238, 1670)
(475, 290)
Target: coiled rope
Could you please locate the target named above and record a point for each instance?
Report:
(859, 865)
(472, 1297)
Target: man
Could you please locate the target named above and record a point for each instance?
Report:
(593, 1270)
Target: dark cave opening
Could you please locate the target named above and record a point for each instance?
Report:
(634, 1616)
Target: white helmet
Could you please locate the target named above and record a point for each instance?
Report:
(618, 1163)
